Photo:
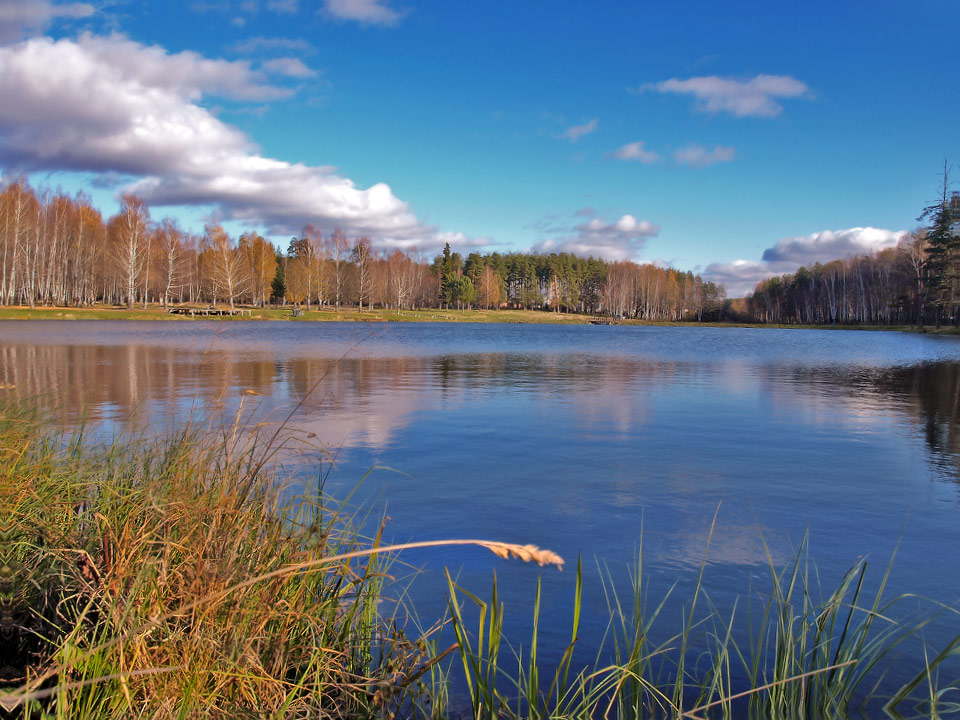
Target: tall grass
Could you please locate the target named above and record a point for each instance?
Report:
(809, 654)
(166, 578)
(160, 578)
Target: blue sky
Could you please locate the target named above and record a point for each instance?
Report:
(736, 139)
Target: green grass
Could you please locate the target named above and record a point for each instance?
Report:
(326, 314)
(170, 577)
(166, 579)
(156, 312)
(811, 654)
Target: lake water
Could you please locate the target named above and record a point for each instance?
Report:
(580, 439)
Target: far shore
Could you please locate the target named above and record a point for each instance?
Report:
(438, 315)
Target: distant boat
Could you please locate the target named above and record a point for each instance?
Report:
(601, 321)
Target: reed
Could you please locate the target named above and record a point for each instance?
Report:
(810, 653)
(179, 577)
(167, 578)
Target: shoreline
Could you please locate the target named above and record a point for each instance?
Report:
(156, 313)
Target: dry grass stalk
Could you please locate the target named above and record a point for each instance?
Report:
(166, 571)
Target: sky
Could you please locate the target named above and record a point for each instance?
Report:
(735, 139)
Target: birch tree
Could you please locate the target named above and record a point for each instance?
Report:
(261, 261)
(339, 249)
(130, 227)
(228, 269)
(361, 259)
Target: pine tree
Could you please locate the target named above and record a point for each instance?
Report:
(943, 252)
(443, 265)
(278, 286)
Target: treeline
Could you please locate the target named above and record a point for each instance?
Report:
(57, 249)
(880, 287)
(917, 282)
(569, 283)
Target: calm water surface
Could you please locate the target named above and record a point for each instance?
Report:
(578, 438)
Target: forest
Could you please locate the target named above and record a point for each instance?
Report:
(57, 250)
(916, 282)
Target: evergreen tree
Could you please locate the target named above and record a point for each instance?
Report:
(473, 267)
(278, 286)
(441, 267)
(462, 291)
(943, 252)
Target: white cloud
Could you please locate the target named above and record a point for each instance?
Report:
(365, 12)
(114, 58)
(435, 241)
(291, 67)
(741, 276)
(634, 151)
(578, 131)
(832, 244)
(202, 7)
(267, 44)
(698, 156)
(247, 7)
(284, 6)
(619, 240)
(110, 105)
(20, 18)
(757, 96)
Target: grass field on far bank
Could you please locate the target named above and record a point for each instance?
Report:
(328, 314)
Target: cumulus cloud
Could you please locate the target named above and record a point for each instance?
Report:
(832, 244)
(788, 254)
(110, 105)
(634, 151)
(436, 240)
(578, 131)
(698, 156)
(134, 67)
(739, 277)
(757, 96)
(291, 67)
(19, 18)
(365, 12)
(619, 240)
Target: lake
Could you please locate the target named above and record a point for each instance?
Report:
(581, 439)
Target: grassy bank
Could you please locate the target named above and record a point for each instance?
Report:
(167, 578)
(156, 312)
(315, 315)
